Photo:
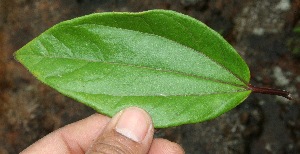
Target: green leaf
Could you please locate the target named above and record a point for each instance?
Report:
(171, 65)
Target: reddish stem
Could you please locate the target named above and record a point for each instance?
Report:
(270, 91)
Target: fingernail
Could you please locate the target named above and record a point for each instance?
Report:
(134, 124)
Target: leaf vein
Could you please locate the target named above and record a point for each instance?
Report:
(166, 96)
(149, 68)
(191, 34)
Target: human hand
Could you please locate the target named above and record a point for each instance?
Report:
(129, 131)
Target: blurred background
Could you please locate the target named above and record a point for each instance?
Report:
(266, 33)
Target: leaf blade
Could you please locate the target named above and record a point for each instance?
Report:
(102, 60)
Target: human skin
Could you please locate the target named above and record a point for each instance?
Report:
(129, 131)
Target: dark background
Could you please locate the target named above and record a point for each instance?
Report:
(262, 31)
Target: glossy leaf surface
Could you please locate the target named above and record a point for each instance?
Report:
(171, 65)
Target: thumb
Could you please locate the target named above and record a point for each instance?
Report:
(130, 131)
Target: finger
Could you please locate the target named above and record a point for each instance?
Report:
(73, 138)
(130, 131)
(163, 146)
